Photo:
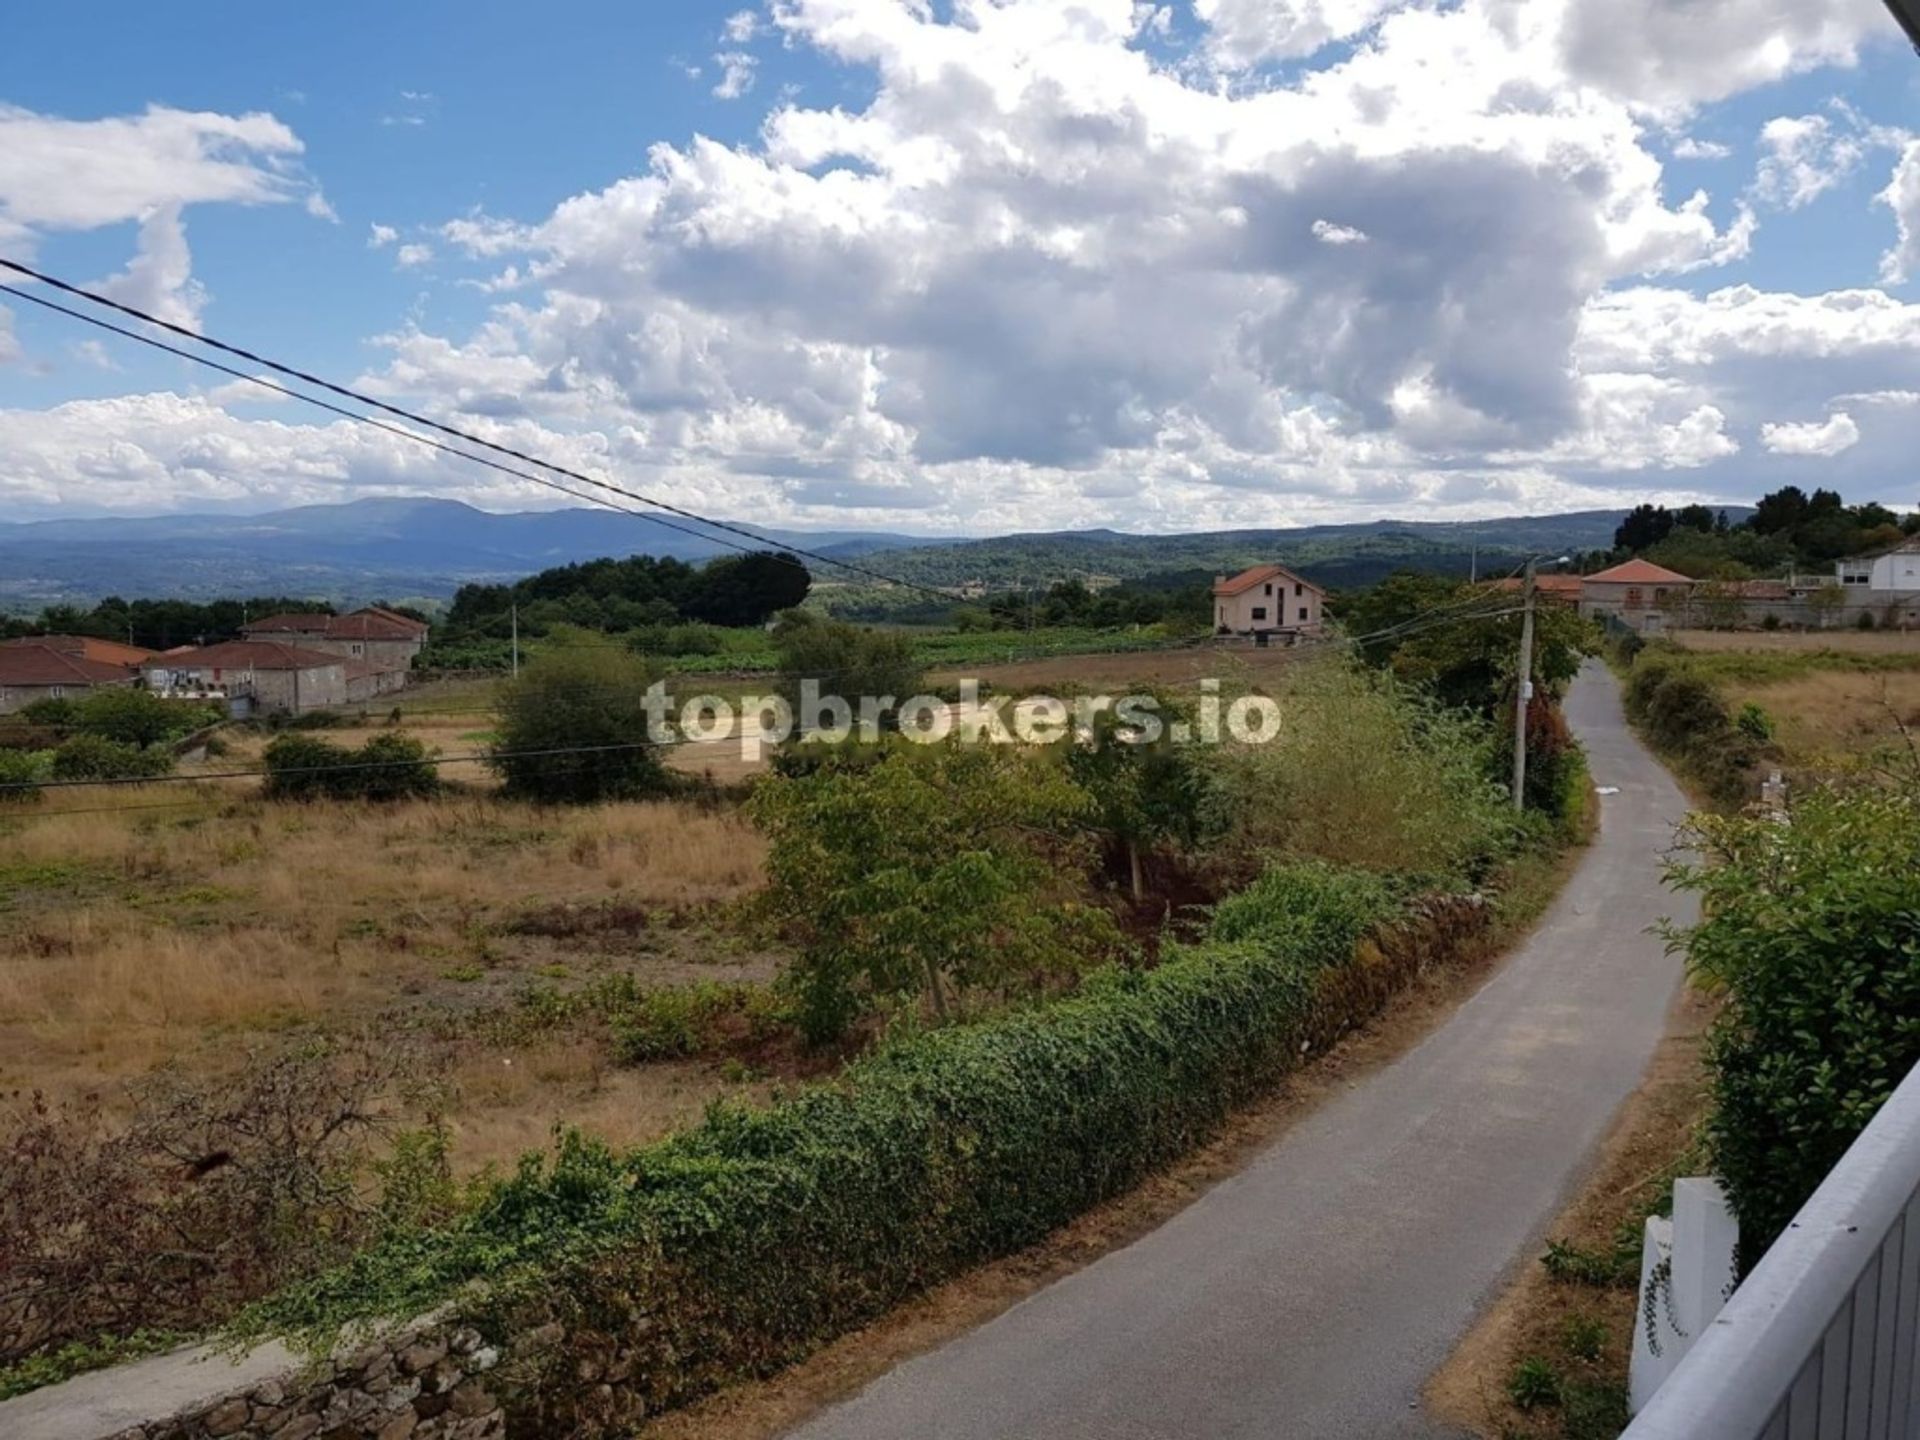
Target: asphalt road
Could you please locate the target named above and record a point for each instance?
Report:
(1311, 1295)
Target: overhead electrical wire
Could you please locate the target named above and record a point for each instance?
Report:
(758, 542)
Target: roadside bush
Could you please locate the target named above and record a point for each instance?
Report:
(402, 773)
(846, 660)
(1366, 772)
(1813, 930)
(1687, 720)
(93, 757)
(301, 767)
(939, 869)
(739, 1245)
(572, 729)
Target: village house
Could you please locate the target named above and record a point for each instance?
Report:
(45, 667)
(1267, 600)
(384, 639)
(262, 677)
(1638, 592)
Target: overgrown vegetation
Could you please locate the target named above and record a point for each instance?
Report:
(1812, 929)
(387, 767)
(1683, 715)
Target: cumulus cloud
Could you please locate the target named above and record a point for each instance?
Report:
(1078, 263)
(411, 257)
(66, 175)
(737, 73)
(381, 236)
(1801, 156)
(1691, 147)
(1902, 196)
(1823, 438)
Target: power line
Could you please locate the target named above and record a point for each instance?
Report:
(759, 542)
(405, 434)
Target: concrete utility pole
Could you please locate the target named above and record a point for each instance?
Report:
(1525, 695)
(516, 639)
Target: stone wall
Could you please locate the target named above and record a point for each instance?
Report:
(426, 1382)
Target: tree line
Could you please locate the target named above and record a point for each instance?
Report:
(1787, 528)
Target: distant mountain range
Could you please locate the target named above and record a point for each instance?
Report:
(424, 549)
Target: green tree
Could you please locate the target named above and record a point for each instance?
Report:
(939, 869)
(1645, 526)
(132, 717)
(1145, 793)
(573, 729)
(850, 661)
(748, 589)
(94, 757)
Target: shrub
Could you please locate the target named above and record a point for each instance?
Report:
(1813, 929)
(1367, 773)
(935, 869)
(748, 1240)
(60, 713)
(202, 1200)
(133, 717)
(1685, 717)
(1865, 622)
(93, 757)
(572, 729)
(301, 767)
(21, 772)
(398, 769)
(846, 660)
(1771, 622)
(1144, 794)
(1754, 723)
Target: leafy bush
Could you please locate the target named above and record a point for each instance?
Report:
(846, 660)
(20, 768)
(1144, 794)
(572, 729)
(1813, 929)
(1366, 772)
(936, 869)
(388, 767)
(751, 1238)
(137, 717)
(1676, 702)
(1754, 723)
(59, 712)
(93, 757)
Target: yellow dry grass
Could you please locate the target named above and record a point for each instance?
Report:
(138, 936)
(1834, 719)
(1846, 642)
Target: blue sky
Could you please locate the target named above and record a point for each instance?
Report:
(980, 264)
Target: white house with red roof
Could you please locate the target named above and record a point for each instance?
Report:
(1267, 600)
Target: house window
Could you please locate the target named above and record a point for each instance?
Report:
(1303, 612)
(1259, 612)
(1269, 587)
(1855, 577)
(56, 692)
(1634, 599)
(356, 649)
(1298, 591)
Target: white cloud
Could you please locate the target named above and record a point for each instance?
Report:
(64, 175)
(1328, 233)
(1055, 269)
(9, 346)
(1801, 156)
(410, 257)
(1902, 196)
(1822, 439)
(1690, 147)
(737, 73)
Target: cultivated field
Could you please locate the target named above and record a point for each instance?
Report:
(1802, 642)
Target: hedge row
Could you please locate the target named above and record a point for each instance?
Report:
(735, 1248)
(1685, 717)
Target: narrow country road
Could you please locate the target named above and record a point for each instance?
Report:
(1310, 1296)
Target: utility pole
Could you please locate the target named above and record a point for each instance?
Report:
(1525, 695)
(516, 639)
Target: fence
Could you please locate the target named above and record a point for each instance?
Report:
(1820, 1341)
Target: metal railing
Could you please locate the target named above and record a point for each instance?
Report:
(1820, 1341)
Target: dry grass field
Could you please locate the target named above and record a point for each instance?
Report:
(223, 924)
(1837, 700)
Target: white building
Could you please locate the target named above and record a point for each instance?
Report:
(1890, 574)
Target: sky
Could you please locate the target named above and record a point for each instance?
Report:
(975, 266)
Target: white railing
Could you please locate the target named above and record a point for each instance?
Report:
(1820, 1342)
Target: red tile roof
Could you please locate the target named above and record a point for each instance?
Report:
(1639, 572)
(253, 655)
(1259, 575)
(371, 623)
(90, 647)
(43, 665)
(1557, 587)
